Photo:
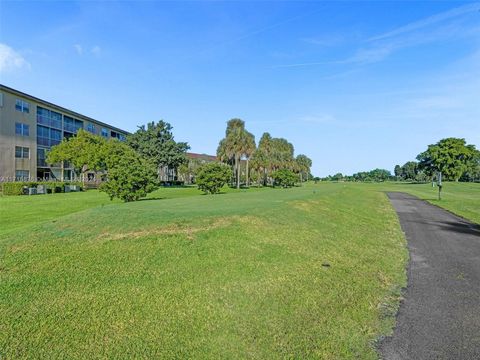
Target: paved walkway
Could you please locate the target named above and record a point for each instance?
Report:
(440, 315)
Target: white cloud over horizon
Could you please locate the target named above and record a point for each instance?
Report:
(11, 60)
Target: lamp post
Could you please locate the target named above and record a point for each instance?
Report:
(439, 183)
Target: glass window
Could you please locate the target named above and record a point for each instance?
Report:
(22, 129)
(55, 134)
(68, 124)
(22, 175)
(91, 128)
(22, 152)
(43, 131)
(56, 120)
(41, 157)
(22, 106)
(78, 125)
(104, 132)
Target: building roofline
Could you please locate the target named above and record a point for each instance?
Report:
(58, 107)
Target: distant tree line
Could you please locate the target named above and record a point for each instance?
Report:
(150, 156)
(453, 157)
(376, 175)
(262, 163)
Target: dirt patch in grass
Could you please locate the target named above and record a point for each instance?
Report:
(188, 230)
(305, 205)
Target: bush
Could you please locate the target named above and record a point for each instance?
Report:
(16, 188)
(13, 188)
(129, 177)
(211, 177)
(284, 178)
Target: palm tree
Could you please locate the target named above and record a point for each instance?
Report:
(231, 148)
(249, 150)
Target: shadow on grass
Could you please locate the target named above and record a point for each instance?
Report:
(152, 198)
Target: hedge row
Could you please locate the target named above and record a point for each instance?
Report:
(16, 188)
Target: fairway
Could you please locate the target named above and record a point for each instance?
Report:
(310, 272)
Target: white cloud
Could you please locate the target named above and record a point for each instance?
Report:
(11, 60)
(431, 20)
(96, 50)
(78, 49)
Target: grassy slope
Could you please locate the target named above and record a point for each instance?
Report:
(228, 276)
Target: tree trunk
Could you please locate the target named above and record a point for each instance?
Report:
(246, 172)
(238, 173)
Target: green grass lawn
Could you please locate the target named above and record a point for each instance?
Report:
(311, 272)
(460, 198)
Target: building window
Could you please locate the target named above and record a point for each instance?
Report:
(47, 136)
(72, 125)
(49, 118)
(22, 152)
(22, 175)
(41, 157)
(104, 132)
(22, 129)
(22, 106)
(91, 128)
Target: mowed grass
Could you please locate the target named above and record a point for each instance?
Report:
(311, 272)
(460, 198)
(20, 211)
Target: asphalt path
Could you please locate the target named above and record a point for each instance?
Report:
(439, 317)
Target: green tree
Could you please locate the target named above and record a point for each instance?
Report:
(211, 177)
(337, 177)
(248, 151)
(83, 151)
(284, 178)
(262, 157)
(410, 170)
(304, 163)
(237, 143)
(398, 172)
(129, 176)
(155, 142)
(451, 156)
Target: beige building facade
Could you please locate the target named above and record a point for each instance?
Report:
(29, 127)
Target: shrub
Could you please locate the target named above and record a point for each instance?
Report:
(129, 177)
(16, 188)
(284, 178)
(13, 188)
(211, 177)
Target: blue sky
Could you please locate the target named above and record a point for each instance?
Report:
(354, 85)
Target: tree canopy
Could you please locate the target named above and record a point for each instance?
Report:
(451, 156)
(84, 151)
(211, 177)
(155, 142)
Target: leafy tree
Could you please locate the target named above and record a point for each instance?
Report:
(211, 177)
(451, 156)
(156, 143)
(337, 177)
(409, 170)
(304, 163)
(284, 178)
(129, 176)
(84, 151)
(398, 172)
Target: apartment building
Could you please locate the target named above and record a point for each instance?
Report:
(29, 127)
